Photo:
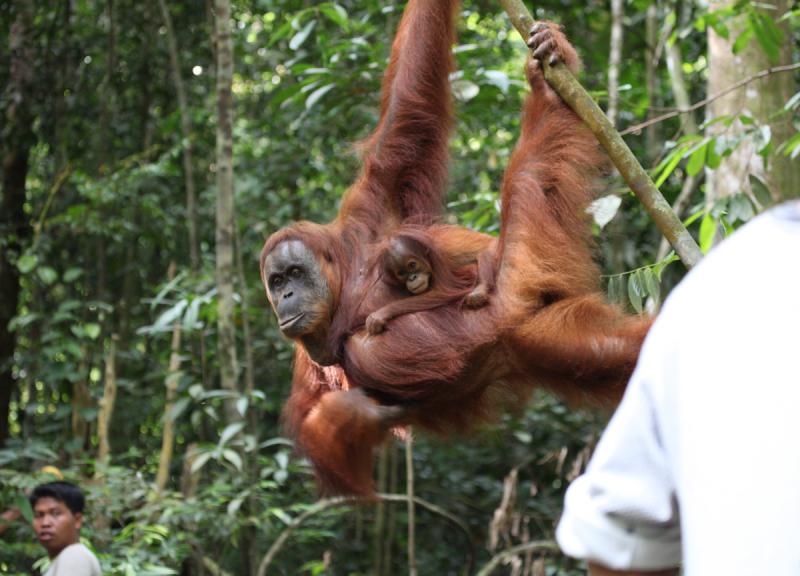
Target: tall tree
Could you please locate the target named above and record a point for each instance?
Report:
(225, 237)
(15, 230)
(186, 134)
(615, 58)
(761, 100)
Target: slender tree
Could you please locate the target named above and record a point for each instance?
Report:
(17, 140)
(760, 100)
(225, 237)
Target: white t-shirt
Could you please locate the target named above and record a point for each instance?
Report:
(701, 462)
(74, 560)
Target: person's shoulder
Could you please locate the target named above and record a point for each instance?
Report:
(78, 556)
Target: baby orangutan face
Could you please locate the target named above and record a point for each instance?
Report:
(409, 269)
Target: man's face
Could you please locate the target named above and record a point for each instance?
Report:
(55, 525)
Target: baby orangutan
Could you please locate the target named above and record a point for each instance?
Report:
(413, 260)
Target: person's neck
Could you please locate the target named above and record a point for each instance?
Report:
(55, 555)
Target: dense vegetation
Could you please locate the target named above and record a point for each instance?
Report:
(109, 302)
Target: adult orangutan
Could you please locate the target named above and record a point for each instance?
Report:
(449, 367)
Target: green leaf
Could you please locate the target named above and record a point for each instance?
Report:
(713, 156)
(234, 505)
(169, 316)
(281, 515)
(742, 40)
(740, 208)
(708, 230)
(760, 190)
(768, 36)
(233, 457)
(317, 94)
(92, 330)
(465, 90)
(615, 289)
(27, 262)
(336, 13)
(201, 460)
(299, 38)
(47, 274)
(497, 78)
(791, 147)
(635, 291)
(652, 284)
(241, 404)
(72, 274)
(697, 160)
(604, 209)
(229, 432)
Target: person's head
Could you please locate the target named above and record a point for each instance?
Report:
(57, 515)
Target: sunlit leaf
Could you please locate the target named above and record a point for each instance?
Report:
(299, 38)
(317, 94)
(230, 431)
(708, 231)
(465, 90)
(697, 160)
(27, 262)
(635, 291)
(233, 457)
(604, 209)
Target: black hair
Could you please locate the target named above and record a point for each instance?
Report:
(65, 492)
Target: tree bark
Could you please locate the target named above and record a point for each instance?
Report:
(614, 59)
(171, 385)
(412, 550)
(107, 404)
(761, 100)
(17, 139)
(186, 134)
(225, 238)
(652, 139)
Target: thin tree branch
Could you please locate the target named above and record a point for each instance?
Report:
(412, 553)
(328, 503)
(710, 99)
(547, 546)
(564, 83)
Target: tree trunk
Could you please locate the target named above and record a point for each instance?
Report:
(186, 134)
(614, 59)
(107, 404)
(761, 100)
(412, 546)
(225, 205)
(171, 385)
(14, 225)
(652, 138)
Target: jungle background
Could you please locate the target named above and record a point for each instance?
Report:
(138, 354)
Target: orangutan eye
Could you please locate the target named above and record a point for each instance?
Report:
(276, 281)
(295, 272)
(412, 265)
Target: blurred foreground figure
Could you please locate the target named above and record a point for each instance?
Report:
(57, 519)
(700, 465)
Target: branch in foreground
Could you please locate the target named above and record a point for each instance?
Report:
(743, 82)
(584, 106)
(541, 546)
(326, 504)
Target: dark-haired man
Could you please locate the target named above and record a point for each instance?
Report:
(57, 519)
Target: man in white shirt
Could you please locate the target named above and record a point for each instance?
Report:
(700, 465)
(57, 519)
